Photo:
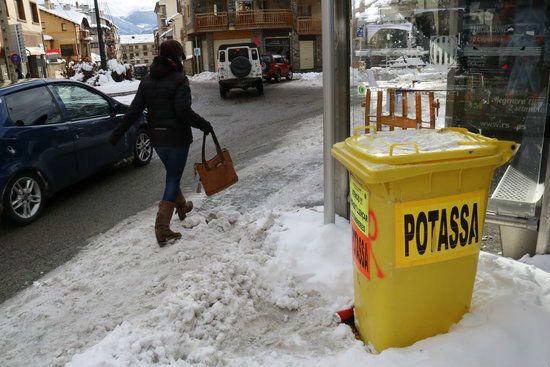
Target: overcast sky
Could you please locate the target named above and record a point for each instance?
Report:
(116, 7)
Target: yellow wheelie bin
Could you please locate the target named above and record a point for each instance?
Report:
(418, 200)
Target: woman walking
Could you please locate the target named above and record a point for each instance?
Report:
(166, 95)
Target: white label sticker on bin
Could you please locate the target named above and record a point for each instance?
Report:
(359, 198)
(439, 229)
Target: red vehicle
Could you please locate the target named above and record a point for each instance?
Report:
(276, 67)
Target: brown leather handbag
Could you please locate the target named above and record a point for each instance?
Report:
(218, 173)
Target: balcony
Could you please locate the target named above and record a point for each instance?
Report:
(272, 18)
(308, 25)
(211, 22)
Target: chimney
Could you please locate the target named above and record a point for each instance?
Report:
(47, 4)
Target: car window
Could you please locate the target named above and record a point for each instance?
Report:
(222, 56)
(279, 60)
(236, 52)
(44, 108)
(81, 103)
(254, 54)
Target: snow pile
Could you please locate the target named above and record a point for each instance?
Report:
(254, 281)
(92, 74)
(115, 67)
(205, 76)
(125, 86)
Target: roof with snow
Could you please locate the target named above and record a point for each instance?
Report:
(69, 15)
(136, 38)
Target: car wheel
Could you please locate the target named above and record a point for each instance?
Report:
(24, 198)
(143, 149)
(223, 92)
(278, 77)
(290, 75)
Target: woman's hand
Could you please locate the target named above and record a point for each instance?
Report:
(206, 127)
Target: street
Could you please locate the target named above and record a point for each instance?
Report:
(244, 123)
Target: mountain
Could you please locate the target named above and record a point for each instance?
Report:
(137, 22)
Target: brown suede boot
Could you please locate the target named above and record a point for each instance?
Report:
(183, 206)
(162, 224)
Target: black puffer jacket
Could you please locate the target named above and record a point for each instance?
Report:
(166, 95)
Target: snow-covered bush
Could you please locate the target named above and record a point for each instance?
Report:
(91, 73)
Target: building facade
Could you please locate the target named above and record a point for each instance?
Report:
(111, 37)
(291, 28)
(137, 49)
(22, 43)
(67, 33)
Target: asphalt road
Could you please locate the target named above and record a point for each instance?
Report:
(245, 123)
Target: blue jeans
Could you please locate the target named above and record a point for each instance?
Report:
(174, 160)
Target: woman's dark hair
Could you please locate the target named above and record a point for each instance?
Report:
(173, 50)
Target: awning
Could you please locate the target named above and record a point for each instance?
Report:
(35, 51)
(47, 37)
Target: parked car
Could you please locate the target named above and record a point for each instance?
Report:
(239, 67)
(140, 71)
(275, 67)
(54, 133)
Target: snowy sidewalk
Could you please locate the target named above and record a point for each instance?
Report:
(254, 281)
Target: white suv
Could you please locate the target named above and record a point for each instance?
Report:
(239, 67)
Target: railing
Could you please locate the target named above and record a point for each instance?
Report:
(276, 18)
(209, 22)
(308, 25)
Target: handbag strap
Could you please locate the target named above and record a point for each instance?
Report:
(218, 149)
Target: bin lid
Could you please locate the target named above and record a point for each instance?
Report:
(424, 145)
(392, 155)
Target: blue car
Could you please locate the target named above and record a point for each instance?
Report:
(54, 133)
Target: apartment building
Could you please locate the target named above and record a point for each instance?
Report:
(111, 37)
(169, 20)
(66, 32)
(22, 43)
(137, 49)
(291, 28)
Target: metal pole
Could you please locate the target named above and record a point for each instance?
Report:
(100, 37)
(342, 15)
(328, 102)
(543, 241)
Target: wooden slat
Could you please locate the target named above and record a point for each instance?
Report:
(398, 121)
(432, 110)
(418, 110)
(391, 99)
(405, 105)
(367, 110)
(379, 110)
